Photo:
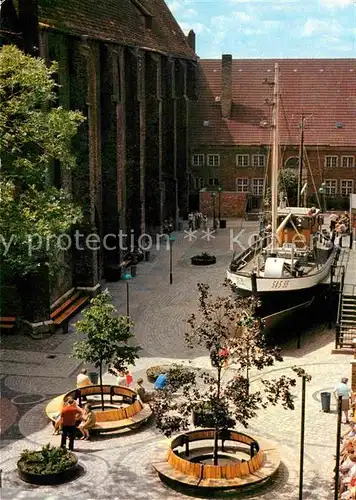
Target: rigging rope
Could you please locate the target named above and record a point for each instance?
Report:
(312, 178)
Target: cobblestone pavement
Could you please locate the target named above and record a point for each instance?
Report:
(118, 466)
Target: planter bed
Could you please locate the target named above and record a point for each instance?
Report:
(50, 478)
(199, 260)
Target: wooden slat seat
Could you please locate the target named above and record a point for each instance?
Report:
(111, 419)
(182, 471)
(65, 304)
(7, 322)
(62, 314)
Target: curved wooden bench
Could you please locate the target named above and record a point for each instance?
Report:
(131, 416)
(259, 467)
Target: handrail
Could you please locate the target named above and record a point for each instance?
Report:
(339, 307)
(249, 249)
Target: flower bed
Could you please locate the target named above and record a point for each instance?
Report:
(203, 259)
(50, 465)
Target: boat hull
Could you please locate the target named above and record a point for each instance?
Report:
(276, 286)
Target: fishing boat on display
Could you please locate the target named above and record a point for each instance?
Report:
(294, 255)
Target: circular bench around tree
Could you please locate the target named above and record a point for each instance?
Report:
(122, 408)
(262, 463)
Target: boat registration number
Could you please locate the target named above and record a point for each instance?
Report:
(280, 284)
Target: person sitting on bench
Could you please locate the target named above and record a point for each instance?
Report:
(145, 396)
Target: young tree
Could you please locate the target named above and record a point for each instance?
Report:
(34, 133)
(228, 329)
(107, 338)
(288, 184)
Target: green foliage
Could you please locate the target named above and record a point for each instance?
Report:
(33, 134)
(154, 371)
(107, 336)
(48, 460)
(288, 184)
(177, 375)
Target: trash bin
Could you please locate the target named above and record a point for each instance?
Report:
(94, 377)
(222, 224)
(325, 401)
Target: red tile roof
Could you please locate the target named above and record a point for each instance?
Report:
(323, 88)
(119, 21)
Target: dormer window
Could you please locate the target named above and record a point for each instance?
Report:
(145, 15)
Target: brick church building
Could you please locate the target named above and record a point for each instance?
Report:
(128, 67)
(230, 132)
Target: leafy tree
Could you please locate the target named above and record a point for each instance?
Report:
(228, 329)
(34, 133)
(288, 184)
(107, 338)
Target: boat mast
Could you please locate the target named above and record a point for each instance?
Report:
(275, 158)
(301, 155)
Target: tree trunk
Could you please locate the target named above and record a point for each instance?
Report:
(216, 437)
(101, 385)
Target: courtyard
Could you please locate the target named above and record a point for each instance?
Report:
(118, 466)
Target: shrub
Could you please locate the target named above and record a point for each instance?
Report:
(154, 371)
(176, 374)
(49, 460)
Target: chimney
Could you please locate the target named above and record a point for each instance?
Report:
(191, 39)
(28, 16)
(226, 85)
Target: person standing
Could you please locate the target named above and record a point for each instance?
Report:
(343, 390)
(332, 219)
(70, 414)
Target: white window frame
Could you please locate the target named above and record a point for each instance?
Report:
(243, 186)
(198, 160)
(330, 187)
(331, 159)
(214, 184)
(260, 186)
(346, 188)
(258, 159)
(199, 183)
(348, 159)
(210, 160)
(245, 160)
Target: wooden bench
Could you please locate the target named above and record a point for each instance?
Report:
(7, 322)
(178, 468)
(62, 314)
(130, 414)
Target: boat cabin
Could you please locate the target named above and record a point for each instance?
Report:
(297, 225)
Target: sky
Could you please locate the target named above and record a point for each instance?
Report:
(270, 28)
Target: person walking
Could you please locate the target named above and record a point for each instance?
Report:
(70, 414)
(342, 389)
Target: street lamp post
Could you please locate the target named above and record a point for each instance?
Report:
(302, 432)
(219, 201)
(213, 195)
(127, 277)
(171, 241)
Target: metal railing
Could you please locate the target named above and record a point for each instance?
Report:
(259, 243)
(339, 306)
